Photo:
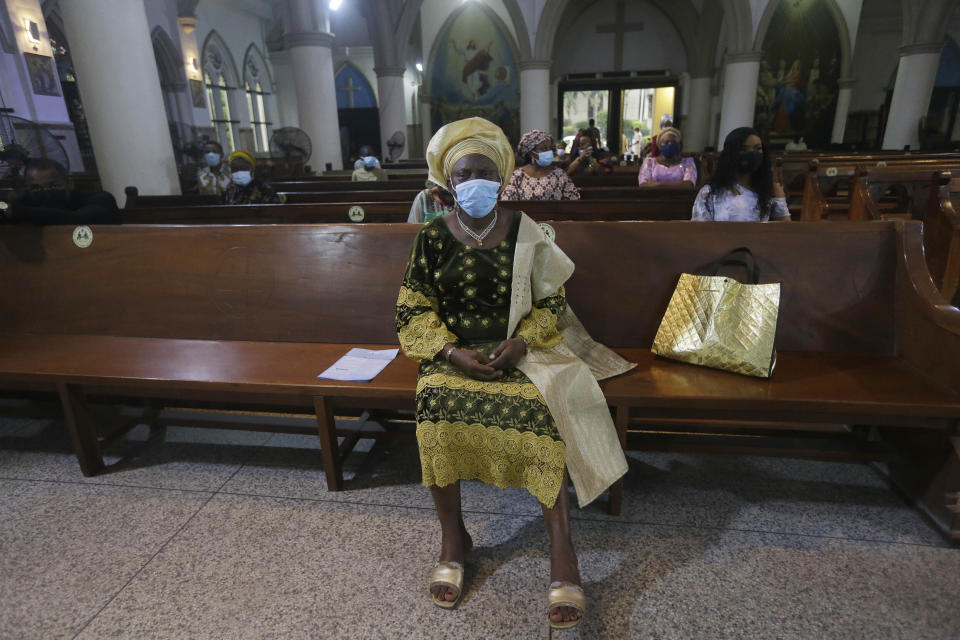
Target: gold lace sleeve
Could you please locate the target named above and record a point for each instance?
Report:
(421, 331)
(539, 326)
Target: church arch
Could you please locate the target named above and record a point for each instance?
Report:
(520, 27)
(548, 27)
(258, 85)
(216, 56)
(221, 81)
(172, 84)
(408, 20)
(169, 62)
(255, 67)
(507, 109)
(681, 14)
(8, 43)
(846, 55)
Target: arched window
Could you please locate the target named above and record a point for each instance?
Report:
(221, 80)
(218, 102)
(258, 116)
(257, 84)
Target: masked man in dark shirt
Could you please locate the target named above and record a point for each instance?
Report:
(48, 198)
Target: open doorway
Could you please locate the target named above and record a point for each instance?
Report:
(625, 113)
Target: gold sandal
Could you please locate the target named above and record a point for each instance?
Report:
(566, 594)
(447, 574)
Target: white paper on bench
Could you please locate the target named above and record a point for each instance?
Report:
(360, 365)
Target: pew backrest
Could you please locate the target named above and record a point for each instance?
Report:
(338, 283)
(657, 206)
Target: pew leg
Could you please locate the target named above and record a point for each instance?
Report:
(621, 420)
(81, 427)
(928, 472)
(326, 425)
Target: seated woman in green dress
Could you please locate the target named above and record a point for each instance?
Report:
(482, 309)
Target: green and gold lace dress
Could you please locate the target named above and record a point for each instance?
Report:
(500, 432)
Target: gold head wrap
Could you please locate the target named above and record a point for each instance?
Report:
(667, 130)
(246, 155)
(466, 137)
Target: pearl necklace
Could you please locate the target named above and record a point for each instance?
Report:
(479, 237)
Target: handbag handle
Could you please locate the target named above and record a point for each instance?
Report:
(753, 271)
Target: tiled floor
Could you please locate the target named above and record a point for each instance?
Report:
(215, 534)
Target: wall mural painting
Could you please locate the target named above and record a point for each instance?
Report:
(473, 72)
(797, 86)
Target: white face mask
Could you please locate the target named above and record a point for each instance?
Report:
(477, 197)
(242, 178)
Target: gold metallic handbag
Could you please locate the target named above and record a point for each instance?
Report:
(716, 321)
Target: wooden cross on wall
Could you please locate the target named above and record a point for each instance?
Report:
(619, 28)
(350, 89)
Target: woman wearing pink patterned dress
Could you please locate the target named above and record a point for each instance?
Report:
(670, 167)
(538, 178)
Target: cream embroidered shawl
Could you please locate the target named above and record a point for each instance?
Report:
(567, 374)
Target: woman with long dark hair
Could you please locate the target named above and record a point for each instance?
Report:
(742, 188)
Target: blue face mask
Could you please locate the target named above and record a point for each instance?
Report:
(477, 197)
(369, 162)
(561, 152)
(212, 159)
(545, 158)
(242, 178)
(670, 149)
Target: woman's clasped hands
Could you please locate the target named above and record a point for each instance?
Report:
(486, 367)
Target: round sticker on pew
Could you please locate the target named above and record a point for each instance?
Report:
(548, 231)
(82, 236)
(882, 163)
(831, 172)
(356, 213)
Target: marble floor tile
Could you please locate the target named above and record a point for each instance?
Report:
(257, 567)
(755, 493)
(67, 549)
(175, 458)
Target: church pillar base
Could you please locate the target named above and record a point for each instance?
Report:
(911, 94)
(393, 111)
(696, 128)
(739, 93)
(316, 97)
(534, 95)
(843, 109)
(121, 97)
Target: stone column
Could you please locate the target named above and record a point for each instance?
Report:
(843, 109)
(696, 128)
(911, 94)
(393, 107)
(191, 55)
(534, 96)
(312, 61)
(739, 92)
(426, 127)
(120, 89)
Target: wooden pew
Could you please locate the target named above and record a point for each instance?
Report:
(942, 235)
(662, 207)
(840, 189)
(866, 201)
(645, 198)
(794, 166)
(309, 184)
(251, 314)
